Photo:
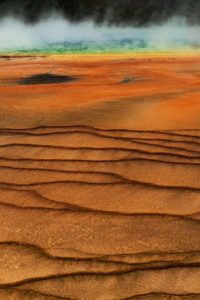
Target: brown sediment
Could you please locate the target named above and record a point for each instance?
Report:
(100, 179)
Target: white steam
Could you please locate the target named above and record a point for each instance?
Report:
(15, 34)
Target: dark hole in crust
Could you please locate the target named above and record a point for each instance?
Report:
(46, 78)
(127, 80)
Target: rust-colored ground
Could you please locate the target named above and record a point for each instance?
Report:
(144, 93)
(100, 178)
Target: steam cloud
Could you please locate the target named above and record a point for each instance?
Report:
(115, 12)
(15, 34)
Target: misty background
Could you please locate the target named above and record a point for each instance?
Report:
(99, 25)
(117, 12)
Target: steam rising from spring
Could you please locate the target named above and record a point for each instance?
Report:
(57, 33)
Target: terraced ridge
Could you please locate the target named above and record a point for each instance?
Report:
(90, 213)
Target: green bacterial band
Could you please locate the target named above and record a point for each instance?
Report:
(116, 47)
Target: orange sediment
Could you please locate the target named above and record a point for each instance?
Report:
(161, 92)
(100, 178)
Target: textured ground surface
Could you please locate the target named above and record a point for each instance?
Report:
(100, 179)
